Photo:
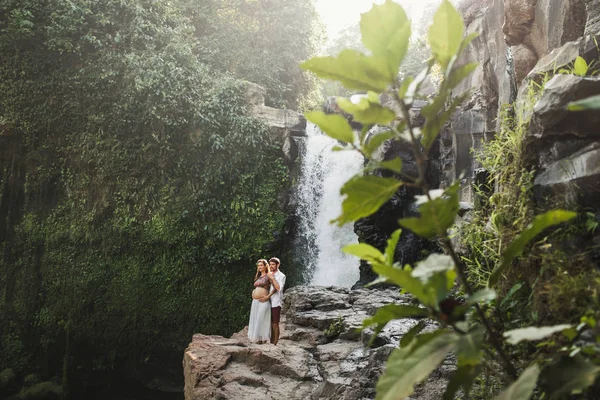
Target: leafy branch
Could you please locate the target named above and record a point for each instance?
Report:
(385, 34)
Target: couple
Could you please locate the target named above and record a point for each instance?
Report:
(266, 302)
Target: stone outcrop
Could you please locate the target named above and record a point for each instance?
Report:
(519, 41)
(306, 364)
(563, 146)
(281, 121)
(283, 124)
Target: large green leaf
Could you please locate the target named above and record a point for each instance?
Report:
(404, 279)
(532, 333)
(366, 112)
(333, 125)
(385, 31)
(580, 66)
(390, 312)
(390, 249)
(469, 347)
(481, 295)
(410, 365)
(364, 196)
(365, 252)
(377, 140)
(539, 223)
(353, 69)
(446, 33)
(433, 264)
(394, 165)
(590, 103)
(522, 388)
(568, 375)
(436, 215)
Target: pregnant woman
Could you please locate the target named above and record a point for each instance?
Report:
(259, 327)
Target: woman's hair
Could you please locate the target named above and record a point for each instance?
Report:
(261, 261)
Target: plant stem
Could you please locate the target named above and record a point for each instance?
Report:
(495, 341)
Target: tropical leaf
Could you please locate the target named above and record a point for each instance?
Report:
(364, 196)
(353, 69)
(532, 333)
(385, 30)
(390, 312)
(446, 33)
(333, 125)
(366, 112)
(436, 215)
(390, 249)
(408, 366)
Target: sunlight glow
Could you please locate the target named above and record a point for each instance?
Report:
(337, 14)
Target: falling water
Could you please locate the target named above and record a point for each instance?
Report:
(322, 174)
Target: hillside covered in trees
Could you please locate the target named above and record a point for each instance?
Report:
(135, 188)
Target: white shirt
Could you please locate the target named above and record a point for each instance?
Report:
(278, 295)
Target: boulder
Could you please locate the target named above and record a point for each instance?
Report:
(563, 146)
(306, 364)
(572, 181)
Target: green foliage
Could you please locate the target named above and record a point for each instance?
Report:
(7, 378)
(409, 365)
(364, 196)
(437, 210)
(263, 42)
(42, 391)
(468, 327)
(335, 328)
(137, 186)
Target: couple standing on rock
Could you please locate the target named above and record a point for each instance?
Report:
(266, 302)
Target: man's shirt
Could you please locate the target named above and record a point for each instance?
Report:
(277, 297)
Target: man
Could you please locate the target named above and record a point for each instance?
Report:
(276, 294)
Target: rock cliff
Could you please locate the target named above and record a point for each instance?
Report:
(308, 363)
(520, 41)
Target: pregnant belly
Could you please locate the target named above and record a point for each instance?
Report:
(259, 292)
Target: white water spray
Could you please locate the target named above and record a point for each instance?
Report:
(322, 174)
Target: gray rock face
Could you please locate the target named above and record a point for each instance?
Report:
(565, 146)
(533, 30)
(283, 124)
(490, 86)
(306, 364)
(592, 25)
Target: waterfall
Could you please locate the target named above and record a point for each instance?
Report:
(322, 174)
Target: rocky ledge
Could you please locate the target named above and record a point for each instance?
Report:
(307, 363)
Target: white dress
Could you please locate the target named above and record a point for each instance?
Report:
(259, 327)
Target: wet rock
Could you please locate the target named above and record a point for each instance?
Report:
(305, 364)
